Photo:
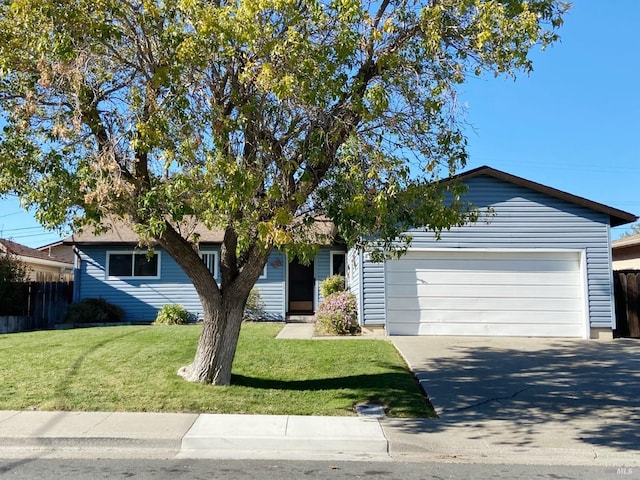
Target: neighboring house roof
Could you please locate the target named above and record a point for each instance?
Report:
(616, 217)
(59, 250)
(27, 254)
(626, 242)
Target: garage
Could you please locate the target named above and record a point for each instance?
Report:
(480, 292)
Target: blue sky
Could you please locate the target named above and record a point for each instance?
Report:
(573, 124)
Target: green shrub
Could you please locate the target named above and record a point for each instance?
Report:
(14, 289)
(93, 310)
(254, 309)
(337, 314)
(172, 315)
(332, 285)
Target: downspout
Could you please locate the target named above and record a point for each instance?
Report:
(77, 274)
(361, 287)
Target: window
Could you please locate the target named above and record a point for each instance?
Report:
(210, 259)
(132, 265)
(264, 272)
(338, 263)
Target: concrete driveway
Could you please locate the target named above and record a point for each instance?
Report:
(536, 396)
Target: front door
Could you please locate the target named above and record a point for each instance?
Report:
(301, 287)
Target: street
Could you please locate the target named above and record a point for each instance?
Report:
(83, 469)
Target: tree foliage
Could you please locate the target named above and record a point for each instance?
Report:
(252, 116)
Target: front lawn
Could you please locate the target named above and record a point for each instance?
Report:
(133, 368)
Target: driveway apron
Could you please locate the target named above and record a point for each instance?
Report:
(531, 391)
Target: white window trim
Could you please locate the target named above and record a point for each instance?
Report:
(216, 256)
(133, 253)
(263, 275)
(331, 255)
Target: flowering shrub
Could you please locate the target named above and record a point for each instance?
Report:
(332, 285)
(337, 314)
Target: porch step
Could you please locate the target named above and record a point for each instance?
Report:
(300, 318)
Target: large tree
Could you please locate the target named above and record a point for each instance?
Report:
(249, 116)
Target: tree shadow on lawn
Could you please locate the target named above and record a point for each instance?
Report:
(395, 390)
(61, 392)
(588, 391)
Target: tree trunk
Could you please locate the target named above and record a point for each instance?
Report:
(218, 341)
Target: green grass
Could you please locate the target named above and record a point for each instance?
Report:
(133, 368)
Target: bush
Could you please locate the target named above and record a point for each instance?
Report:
(254, 309)
(338, 314)
(332, 285)
(14, 289)
(93, 310)
(172, 315)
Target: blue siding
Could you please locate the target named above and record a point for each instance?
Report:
(322, 269)
(521, 219)
(321, 272)
(142, 298)
(373, 297)
(272, 288)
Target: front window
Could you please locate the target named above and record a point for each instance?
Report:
(133, 265)
(338, 262)
(210, 259)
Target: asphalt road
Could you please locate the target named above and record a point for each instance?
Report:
(41, 469)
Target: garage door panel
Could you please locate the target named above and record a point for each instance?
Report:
(403, 292)
(485, 293)
(506, 278)
(486, 329)
(408, 265)
(524, 319)
(493, 304)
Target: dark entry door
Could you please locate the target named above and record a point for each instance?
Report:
(301, 283)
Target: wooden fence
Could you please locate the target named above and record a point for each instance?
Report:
(35, 306)
(626, 284)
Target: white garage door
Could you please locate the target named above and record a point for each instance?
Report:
(485, 293)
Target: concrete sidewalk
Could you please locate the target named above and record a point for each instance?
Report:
(170, 435)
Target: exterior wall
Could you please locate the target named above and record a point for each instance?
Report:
(322, 270)
(45, 273)
(141, 298)
(272, 288)
(522, 219)
(627, 258)
(373, 296)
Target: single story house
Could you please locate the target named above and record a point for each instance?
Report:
(41, 266)
(539, 264)
(626, 252)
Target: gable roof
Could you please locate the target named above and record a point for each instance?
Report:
(616, 217)
(14, 248)
(120, 233)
